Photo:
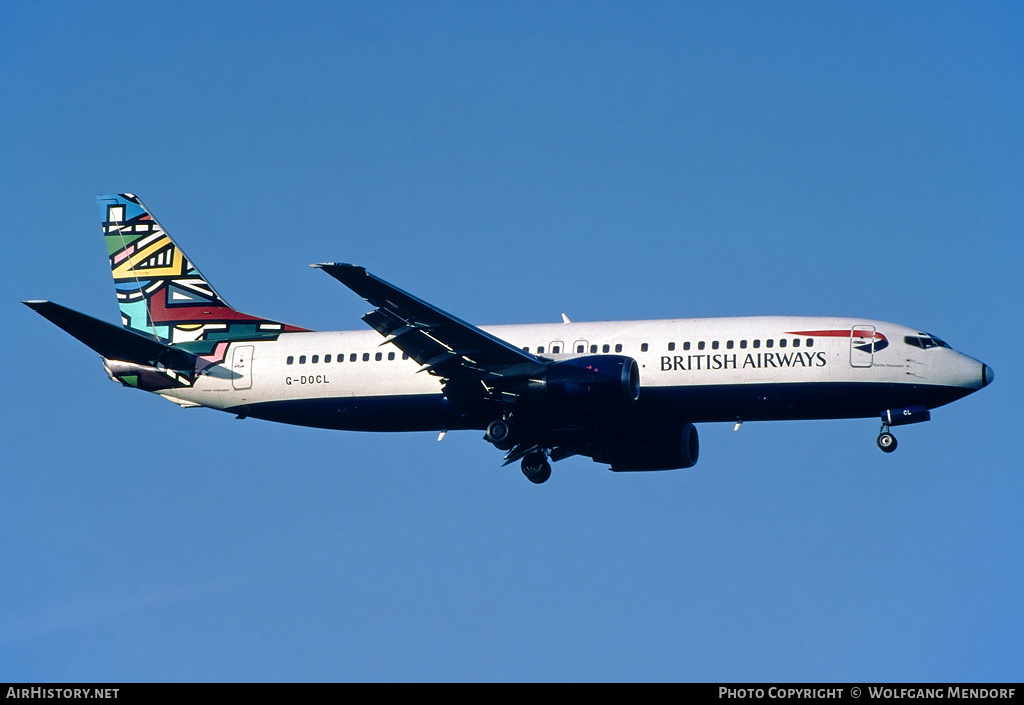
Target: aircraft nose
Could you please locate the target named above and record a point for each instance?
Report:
(974, 374)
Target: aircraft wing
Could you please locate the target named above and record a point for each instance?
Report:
(442, 344)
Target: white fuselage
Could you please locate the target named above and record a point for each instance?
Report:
(829, 367)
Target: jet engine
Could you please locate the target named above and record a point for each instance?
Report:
(659, 448)
(592, 381)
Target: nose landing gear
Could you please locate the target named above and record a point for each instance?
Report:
(886, 441)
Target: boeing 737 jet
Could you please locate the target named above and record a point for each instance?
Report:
(624, 393)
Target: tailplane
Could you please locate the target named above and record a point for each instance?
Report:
(160, 292)
(112, 342)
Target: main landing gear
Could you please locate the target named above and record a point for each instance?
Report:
(499, 434)
(536, 467)
(535, 464)
(886, 441)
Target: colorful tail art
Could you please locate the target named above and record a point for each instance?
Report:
(159, 290)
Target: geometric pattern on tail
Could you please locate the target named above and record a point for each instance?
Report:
(162, 295)
(159, 291)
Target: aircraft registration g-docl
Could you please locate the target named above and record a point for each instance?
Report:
(624, 393)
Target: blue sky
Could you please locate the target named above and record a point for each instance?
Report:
(508, 162)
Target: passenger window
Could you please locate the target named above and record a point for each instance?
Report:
(605, 348)
(809, 342)
(366, 357)
(302, 359)
(618, 347)
(643, 347)
(327, 358)
(341, 357)
(757, 343)
(782, 343)
(555, 349)
(700, 345)
(580, 349)
(796, 342)
(353, 357)
(593, 348)
(714, 345)
(290, 360)
(391, 356)
(378, 357)
(743, 345)
(769, 343)
(405, 356)
(671, 347)
(729, 344)
(316, 359)
(686, 345)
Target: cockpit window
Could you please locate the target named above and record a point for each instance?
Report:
(925, 341)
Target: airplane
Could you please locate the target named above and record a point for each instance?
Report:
(624, 393)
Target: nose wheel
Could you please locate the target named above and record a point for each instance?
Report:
(886, 441)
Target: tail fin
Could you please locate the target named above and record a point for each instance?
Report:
(159, 290)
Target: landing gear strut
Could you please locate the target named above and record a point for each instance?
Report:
(886, 441)
(501, 434)
(536, 467)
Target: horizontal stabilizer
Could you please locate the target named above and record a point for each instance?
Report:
(113, 342)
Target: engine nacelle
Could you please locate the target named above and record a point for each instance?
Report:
(910, 414)
(590, 382)
(660, 448)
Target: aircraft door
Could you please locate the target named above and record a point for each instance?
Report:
(580, 346)
(862, 346)
(241, 367)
